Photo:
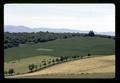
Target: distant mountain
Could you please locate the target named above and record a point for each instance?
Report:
(11, 28)
(106, 33)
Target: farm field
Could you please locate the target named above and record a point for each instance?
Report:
(19, 58)
(97, 67)
(63, 47)
(21, 66)
(59, 41)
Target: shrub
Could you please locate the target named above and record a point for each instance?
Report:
(11, 71)
(31, 67)
(91, 33)
(89, 54)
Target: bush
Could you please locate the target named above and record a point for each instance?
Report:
(91, 33)
(53, 60)
(11, 71)
(31, 67)
(89, 54)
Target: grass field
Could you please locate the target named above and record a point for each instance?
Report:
(97, 67)
(63, 47)
(21, 66)
(20, 57)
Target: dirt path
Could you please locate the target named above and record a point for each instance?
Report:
(103, 64)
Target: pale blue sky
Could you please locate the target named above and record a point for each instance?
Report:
(97, 17)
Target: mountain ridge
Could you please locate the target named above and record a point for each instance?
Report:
(7, 28)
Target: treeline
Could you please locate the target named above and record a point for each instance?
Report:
(16, 39)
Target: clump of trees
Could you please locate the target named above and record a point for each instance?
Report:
(91, 34)
(9, 72)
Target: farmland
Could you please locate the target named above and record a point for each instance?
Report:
(97, 67)
(20, 57)
(63, 47)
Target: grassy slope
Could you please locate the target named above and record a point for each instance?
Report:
(103, 67)
(21, 66)
(63, 47)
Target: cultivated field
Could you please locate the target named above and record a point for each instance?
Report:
(19, 58)
(80, 46)
(97, 67)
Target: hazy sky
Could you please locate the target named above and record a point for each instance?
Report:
(97, 17)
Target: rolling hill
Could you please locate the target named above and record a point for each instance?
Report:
(22, 56)
(63, 47)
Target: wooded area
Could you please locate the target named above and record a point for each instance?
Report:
(16, 39)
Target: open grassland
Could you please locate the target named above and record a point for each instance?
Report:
(97, 67)
(21, 66)
(80, 46)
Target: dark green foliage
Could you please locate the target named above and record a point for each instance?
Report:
(44, 64)
(91, 33)
(89, 54)
(11, 71)
(57, 59)
(15, 39)
(53, 60)
(31, 67)
(61, 58)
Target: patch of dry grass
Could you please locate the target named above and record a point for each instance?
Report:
(103, 64)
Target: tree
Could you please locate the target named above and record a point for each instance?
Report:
(49, 62)
(91, 33)
(44, 64)
(61, 58)
(31, 67)
(89, 54)
(57, 60)
(53, 61)
(11, 71)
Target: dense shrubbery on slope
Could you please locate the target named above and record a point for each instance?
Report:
(15, 39)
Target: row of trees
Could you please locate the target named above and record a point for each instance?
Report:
(16, 39)
(44, 63)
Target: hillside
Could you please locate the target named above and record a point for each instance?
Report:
(98, 67)
(63, 47)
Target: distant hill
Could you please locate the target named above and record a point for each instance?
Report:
(11, 28)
